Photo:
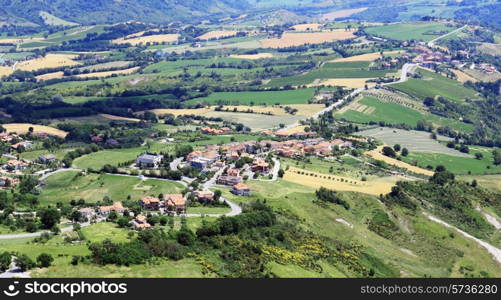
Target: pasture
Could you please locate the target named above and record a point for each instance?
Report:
(425, 31)
(97, 160)
(290, 39)
(337, 14)
(371, 109)
(299, 96)
(432, 84)
(108, 73)
(252, 56)
(66, 186)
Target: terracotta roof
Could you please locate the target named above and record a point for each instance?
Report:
(241, 186)
(149, 199)
(174, 199)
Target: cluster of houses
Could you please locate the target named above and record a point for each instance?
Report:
(8, 182)
(484, 68)
(16, 142)
(429, 58)
(297, 148)
(100, 140)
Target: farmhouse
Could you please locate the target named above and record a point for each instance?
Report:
(233, 172)
(116, 207)
(87, 212)
(204, 196)
(8, 182)
(241, 190)
(15, 164)
(147, 160)
(175, 203)
(150, 202)
(46, 159)
(229, 180)
(140, 222)
(260, 166)
(22, 145)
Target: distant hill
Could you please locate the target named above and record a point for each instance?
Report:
(111, 11)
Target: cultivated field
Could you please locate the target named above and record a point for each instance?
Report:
(290, 39)
(51, 60)
(118, 118)
(463, 77)
(414, 141)
(425, 31)
(253, 56)
(48, 76)
(342, 13)
(307, 27)
(276, 110)
(351, 83)
(109, 73)
(5, 71)
(22, 128)
(108, 65)
(157, 38)
(217, 34)
(366, 57)
(376, 154)
(299, 96)
(317, 180)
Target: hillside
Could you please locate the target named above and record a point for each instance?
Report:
(107, 11)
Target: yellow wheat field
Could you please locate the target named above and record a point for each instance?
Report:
(290, 39)
(157, 38)
(118, 118)
(307, 27)
(109, 73)
(22, 128)
(5, 71)
(253, 56)
(51, 60)
(376, 154)
(338, 183)
(217, 34)
(293, 130)
(463, 77)
(342, 13)
(50, 76)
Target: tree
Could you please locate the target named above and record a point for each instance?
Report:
(49, 217)
(24, 262)
(5, 260)
(122, 222)
(479, 155)
(497, 157)
(76, 216)
(185, 236)
(217, 195)
(281, 173)
(44, 260)
(463, 148)
(397, 147)
(405, 152)
(388, 151)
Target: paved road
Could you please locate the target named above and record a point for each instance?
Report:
(173, 165)
(432, 42)
(274, 172)
(235, 210)
(35, 234)
(46, 175)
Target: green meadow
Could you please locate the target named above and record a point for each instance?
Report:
(410, 31)
(432, 84)
(299, 96)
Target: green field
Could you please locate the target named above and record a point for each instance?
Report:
(432, 84)
(66, 186)
(97, 160)
(409, 31)
(299, 96)
(458, 165)
(393, 113)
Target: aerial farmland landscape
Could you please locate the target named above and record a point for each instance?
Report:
(250, 139)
